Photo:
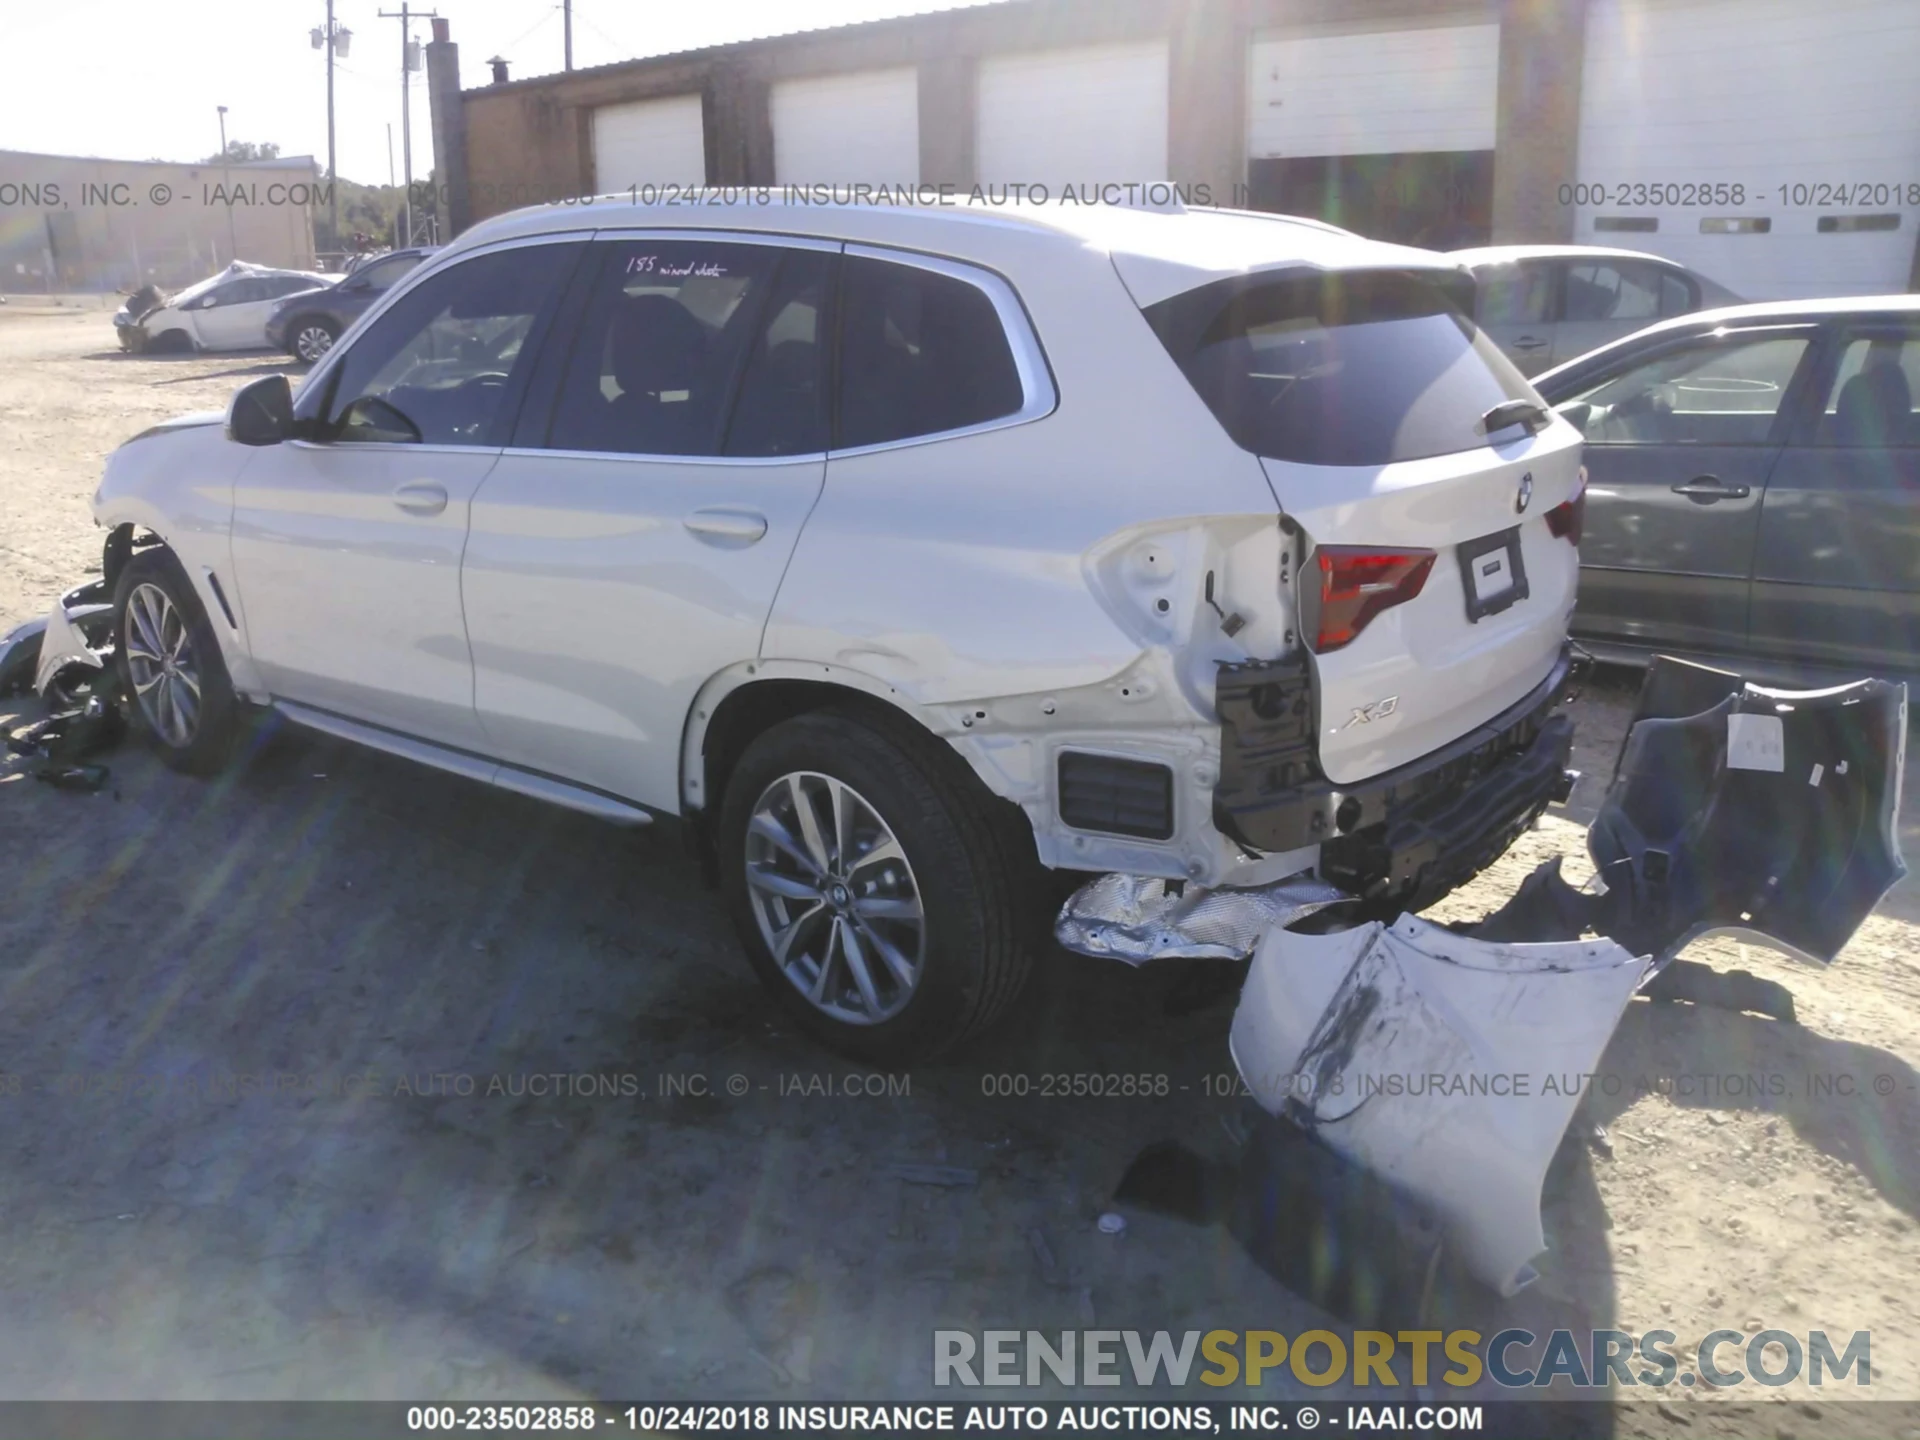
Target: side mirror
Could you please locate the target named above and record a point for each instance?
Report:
(261, 413)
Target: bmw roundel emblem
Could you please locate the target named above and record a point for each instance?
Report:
(1525, 497)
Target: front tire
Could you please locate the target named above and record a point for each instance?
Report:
(878, 893)
(170, 666)
(311, 338)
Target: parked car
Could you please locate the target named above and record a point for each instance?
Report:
(227, 311)
(1547, 304)
(902, 555)
(307, 325)
(1752, 481)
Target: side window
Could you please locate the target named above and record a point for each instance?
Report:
(438, 366)
(1678, 294)
(661, 346)
(782, 409)
(241, 292)
(1715, 393)
(383, 274)
(1612, 290)
(1871, 401)
(1517, 294)
(920, 353)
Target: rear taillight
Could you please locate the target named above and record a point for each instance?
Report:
(1357, 582)
(1566, 519)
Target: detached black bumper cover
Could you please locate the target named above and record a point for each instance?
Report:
(1403, 839)
(1735, 807)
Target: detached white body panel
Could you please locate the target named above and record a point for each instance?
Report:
(1448, 1065)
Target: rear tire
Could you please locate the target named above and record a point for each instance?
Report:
(919, 883)
(171, 669)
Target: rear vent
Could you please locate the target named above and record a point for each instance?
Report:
(1116, 797)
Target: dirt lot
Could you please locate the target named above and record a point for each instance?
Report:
(179, 1226)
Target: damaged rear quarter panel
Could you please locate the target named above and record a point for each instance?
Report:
(1042, 585)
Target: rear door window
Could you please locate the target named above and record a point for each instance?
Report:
(662, 345)
(1516, 294)
(1360, 368)
(1613, 290)
(1678, 294)
(922, 352)
(782, 405)
(1871, 402)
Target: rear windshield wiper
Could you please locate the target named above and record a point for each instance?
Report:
(1515, 412)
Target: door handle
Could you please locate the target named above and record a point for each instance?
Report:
(421, 497)
(1705, 489)
(725, 527)
(1529, 342)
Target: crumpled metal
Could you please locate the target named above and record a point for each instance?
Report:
(1137, 918)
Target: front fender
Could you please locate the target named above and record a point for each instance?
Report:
(176, 481)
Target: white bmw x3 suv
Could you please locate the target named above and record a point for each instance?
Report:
(904, 555)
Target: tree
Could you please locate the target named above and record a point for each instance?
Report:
(240, 152)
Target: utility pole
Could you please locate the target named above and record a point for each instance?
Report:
(226, 182)
(409, 62)
(566, 26)
(334, 40)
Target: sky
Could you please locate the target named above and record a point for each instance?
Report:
(132, 80)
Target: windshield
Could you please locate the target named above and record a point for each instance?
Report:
(1360, 368)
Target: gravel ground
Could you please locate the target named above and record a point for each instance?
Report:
(294, 1090)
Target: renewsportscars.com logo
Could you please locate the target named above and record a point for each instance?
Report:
(1601, 1359)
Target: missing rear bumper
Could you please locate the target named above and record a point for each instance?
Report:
(1400, 840)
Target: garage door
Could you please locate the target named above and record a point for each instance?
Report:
(848, 129)
(1080, 117)
(1811, 111)
(650, 142)
(1380, 93)
(1388, 132)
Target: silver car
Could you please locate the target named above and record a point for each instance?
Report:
(1548, 304)
(1752, 475)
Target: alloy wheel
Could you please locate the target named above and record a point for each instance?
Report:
(162, 665)
(835, 899)
(311, 342)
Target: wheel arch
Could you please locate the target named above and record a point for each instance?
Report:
(744, 701)
(134, 528)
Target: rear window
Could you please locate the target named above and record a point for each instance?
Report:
(1359, 368)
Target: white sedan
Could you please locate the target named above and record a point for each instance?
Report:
(227, 311)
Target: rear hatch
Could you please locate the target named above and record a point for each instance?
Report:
(1435, 499)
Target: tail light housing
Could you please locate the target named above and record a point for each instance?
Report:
(1566, 520)
(1357, 582)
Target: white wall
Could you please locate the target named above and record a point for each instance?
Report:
(649, 142)
(1064, 117)
(1385, 92)
(1758, 93)
(845, 129)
